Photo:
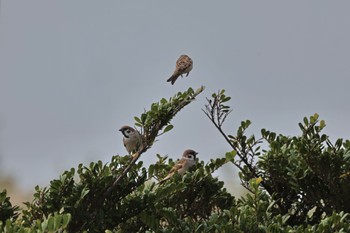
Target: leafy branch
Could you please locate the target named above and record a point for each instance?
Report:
(154, 120)
(151, 123)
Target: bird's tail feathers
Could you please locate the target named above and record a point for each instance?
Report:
(172, 79)
(163, 180)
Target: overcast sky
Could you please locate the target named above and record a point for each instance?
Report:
(73, 72)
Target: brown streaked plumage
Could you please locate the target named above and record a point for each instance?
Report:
(184, 164)
(183, 66)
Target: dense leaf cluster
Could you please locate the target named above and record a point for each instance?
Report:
(7, 211)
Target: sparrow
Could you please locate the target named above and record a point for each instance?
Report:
(183, 66)
(132, 139)
(183, 165)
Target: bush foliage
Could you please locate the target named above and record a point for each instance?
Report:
(296, 184)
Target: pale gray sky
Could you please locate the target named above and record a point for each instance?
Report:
(73, 72)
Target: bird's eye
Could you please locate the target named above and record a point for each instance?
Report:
(128, 130)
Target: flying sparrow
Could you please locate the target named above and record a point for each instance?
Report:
(184, 164)
(132, 138)
(183, 66)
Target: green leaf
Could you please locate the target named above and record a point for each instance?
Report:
(154, 107)
(301, 126)
(143, 117)
(312, 119)
(51, 223)
(138, 120)
(230, 156)
(306, 122)
(3, 196)
(84, 192)
(168, 128)
(57, 221)
(151, 170)
(226, 99)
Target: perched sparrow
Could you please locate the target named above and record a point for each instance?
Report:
(183, 66)
(184, 164)
(132, 138)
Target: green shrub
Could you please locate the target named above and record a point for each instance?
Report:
(296, 184)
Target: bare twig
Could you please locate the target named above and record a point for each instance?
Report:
(217, 113)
